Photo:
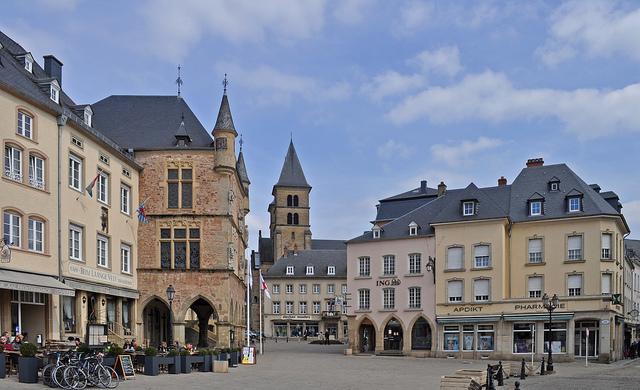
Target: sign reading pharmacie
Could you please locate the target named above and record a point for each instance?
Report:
(100, 276)
(516, 308)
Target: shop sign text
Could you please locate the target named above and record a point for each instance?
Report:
(387, 282)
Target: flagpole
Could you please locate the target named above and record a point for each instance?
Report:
(248, 302)
(260, 310)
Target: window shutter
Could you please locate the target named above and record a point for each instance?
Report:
(606, 283)
(535, 245)
(454, 258)
(535, 283)
(606, 241)
(455, 288)
(574, 281)
(575, 242)
(482, 250)
(481, 287)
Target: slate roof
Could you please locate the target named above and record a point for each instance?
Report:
(632, 249)
(320, 259)
(148, 122)
(398, 205)
(265, 247)
(242, 169)
(291, 174)
(225, 121)
(328, 244)
(34, 87)
(491, 202)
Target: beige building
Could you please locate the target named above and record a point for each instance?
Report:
(500, 249)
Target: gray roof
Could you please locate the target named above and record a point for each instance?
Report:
(148, 122)
(491, 202)
(329, 244)
(291, 174)
(321, 259)
(242, 169)
(398, 205)
(265, 247)
(34, 87)
(224, 121)
(632, 249)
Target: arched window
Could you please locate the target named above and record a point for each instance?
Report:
(421, 335)
(290, 219)
(296, 220)
(289, 201)
(295, 200)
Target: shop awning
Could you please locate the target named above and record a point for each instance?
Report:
(466, 319)
(23, 281)
(102, 289)
(538, 317)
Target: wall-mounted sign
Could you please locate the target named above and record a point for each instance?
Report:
(467, 309)
(5, 252)
(295, 317)
(97, 275)
(535, 306)
(388, 282)
(605, 322)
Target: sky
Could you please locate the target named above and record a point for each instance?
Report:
(377, 95)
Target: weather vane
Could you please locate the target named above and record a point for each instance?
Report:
(241, 142)
(225, 82)
(179, 80)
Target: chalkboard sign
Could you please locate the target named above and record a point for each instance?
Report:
(124, 367)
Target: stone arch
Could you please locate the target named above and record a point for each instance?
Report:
(144, 302)
(432, 329)
(156, 321)
(188, 303)
(391, 344)
(198, 327)
(363, 327)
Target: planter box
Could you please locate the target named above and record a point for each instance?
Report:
(187, 361)
(233, 359)
(28, 369)
(221, 366)
(206, 363)
(174, 364)
(3, 365)
(152, 365)
(223, 356)
(109, 361)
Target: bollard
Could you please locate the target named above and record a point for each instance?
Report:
(490, 377)
(517, 385)
(522, 368)
(500, 376)
(542, 367)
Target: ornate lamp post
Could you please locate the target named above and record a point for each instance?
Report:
(171, 293)
(431, 267)
(550, 304)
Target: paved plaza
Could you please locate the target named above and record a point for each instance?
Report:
(297, 365)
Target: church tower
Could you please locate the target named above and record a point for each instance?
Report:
(224, 134)
(290, 227)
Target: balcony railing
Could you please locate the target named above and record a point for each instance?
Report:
(16, 176)
(36, 182)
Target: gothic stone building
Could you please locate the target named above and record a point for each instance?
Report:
(196, 195)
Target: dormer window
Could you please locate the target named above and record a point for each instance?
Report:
(535, 207)
(88, 114)
(331, 270)
(28, 63)
(309, 270)
(289, 270)
(574, 204)
(376, 232)
(54, 92)
(554, 184)
(413, 229)
(468, 208)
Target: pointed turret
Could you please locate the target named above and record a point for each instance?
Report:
(291, 174)
(182, 137)
(224, 134)
(224, 122)
(242, 170)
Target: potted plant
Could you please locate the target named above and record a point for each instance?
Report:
(151, 361)
(174, 362)
(3, 362)
(28, 364)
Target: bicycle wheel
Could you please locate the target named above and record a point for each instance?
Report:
(57, 377)
(104, 376)
(46, 374)
(115, 379)
(92, 370)
(75, 378)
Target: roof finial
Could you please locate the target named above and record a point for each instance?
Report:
(179, 80)
(225, 82)
(291, 137)
(182, 117)
(241, 142)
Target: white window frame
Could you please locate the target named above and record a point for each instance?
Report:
(288, 289)
(276, 288)
(302, 288)
(608, 275)
(290, 270)
(364, 266)
(28, 63)
(88, 115)
(554, 186)
(449, 249)
(36, 172)
(276, 307)
(575, 291)
(316, 288)
(343, 289)
(25, 125)
(537, 210)
(102, 251)
(482, 298)
(535, 257)
(125, 258)
(415, 297)
(288, 307)
(75, 172)
(606, 253)
(481, 261)
(54, 92)
(388, 265)
(12, 223)
(309, 270)
(331, 288)
(455, 299)
(468, 211)
(575, 254)
(364, 299)
(415, 263)
(76, 238)
(316, 307)
(572, 209)
(388, 298)
(302, 307)
(535, 293)
(13, 162)
(125, 199)
(36, 228)
(376, 232)
(331, 270)
(103, 187)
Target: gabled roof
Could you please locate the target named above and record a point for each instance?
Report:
(242, 169)
(492, 202)
(320, 259)
(291, 174)
(224, 122)
(148, 122)
(536, 196)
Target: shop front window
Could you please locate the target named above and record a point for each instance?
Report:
(485, 337)
(451, 338)
(524, 338)
(126, 315)
(558, 337)
(467, 337)
(69, 314)
(280, 330)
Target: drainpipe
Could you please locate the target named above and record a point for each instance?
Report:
(61, 121)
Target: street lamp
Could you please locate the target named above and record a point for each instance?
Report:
(431, 267)
(550, 304)
(171, 293)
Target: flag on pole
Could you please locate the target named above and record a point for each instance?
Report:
(263, 286)
(142, 212)
(250, 274)
(89, 188)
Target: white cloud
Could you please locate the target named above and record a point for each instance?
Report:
(456, 153)
(351, 11)
(445, 60)
(599, 28)
(489, 96)
(414, 15)
(276, 87)
(392, 83)
(392, 149)
(175, 26)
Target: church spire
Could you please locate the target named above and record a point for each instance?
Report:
(224, 122)
(291, 174)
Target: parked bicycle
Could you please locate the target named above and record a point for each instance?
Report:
(75, 370)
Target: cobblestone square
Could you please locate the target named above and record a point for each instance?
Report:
(297, 365)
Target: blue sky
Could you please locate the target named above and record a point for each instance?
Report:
(378, 94)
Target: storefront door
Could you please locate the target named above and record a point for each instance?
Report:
(586, 345)
(393, 336)
(28, 314)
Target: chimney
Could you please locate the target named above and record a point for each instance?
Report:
(53, 68)
(535, 162)
(423, 186)
(502, 181)
(442, 188)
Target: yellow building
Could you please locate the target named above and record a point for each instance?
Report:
(500, 249)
